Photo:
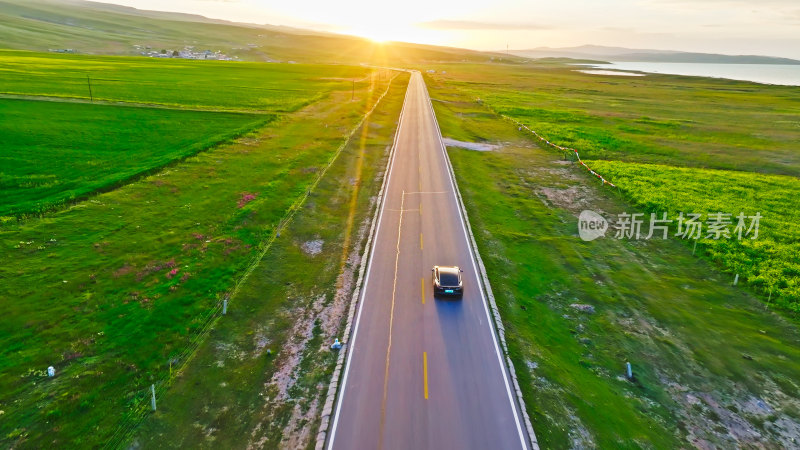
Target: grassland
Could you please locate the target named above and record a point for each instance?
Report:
(147, 113)
(56, 152)
(215, 85)
(693, 123)
(712, 366)
(770, 263)
(113, 291)
(663, 119)
(293, 305)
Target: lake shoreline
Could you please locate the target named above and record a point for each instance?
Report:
(768, 74)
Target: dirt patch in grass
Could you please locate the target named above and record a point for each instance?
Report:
(276, 391)
(476, 146)
(734, 418)
(291, 354)
(573, 198)
(312, 248)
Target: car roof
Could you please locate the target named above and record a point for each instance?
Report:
(449, 269)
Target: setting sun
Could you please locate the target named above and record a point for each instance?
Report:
(382, 33)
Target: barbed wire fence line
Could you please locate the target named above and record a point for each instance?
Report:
(559, 147)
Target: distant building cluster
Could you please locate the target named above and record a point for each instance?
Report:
(186, 53)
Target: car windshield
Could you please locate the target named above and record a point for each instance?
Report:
(448, 278)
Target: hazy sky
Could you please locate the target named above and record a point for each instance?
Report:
(765, 27)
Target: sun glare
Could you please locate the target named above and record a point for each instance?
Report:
(395, 33)
(375, 34)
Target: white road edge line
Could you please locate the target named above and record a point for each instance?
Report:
(350, 344)
(473, 251)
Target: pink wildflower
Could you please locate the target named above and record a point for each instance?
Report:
(245, 198)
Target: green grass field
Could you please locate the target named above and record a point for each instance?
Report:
(684, 124)
(148, 113)
(770, 263)
(56, 152)
(664, 119)
(293, 304)
(219, 85)
(712, 364)
(143, 204)
(114, 290)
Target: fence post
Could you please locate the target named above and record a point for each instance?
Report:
(89, 82)
(224, 306)
(153, 398)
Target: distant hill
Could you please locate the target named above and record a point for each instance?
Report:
(565, 60)
(644, 55)
(99, 28)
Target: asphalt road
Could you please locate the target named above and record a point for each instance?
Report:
(423, 373)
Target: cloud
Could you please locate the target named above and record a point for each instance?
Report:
(444, 24)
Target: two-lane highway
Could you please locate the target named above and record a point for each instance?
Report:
(423, 373)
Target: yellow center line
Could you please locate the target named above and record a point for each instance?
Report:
(420, 241)
(391, 323)
(425, 372)
(423, 290)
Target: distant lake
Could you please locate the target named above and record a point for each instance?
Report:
(760, 73)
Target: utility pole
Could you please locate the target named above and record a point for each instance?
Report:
(89, 82)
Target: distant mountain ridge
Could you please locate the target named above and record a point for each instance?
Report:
(647, 55)
(78, 26)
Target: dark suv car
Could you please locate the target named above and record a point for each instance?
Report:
(447, 281)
